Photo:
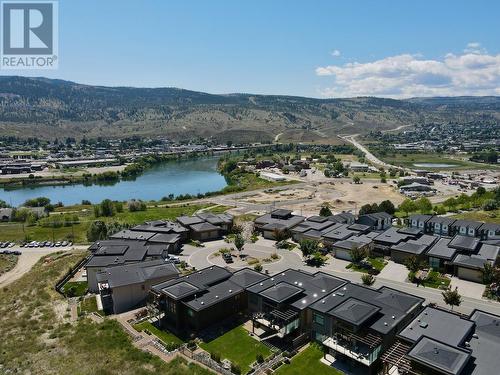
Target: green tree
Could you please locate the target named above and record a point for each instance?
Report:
(239, 242)
(107, 208)
(407, 206)
(356, 179)
(308, 248)
(97, 231)
(387, 206)
(413, 264)
(357, 254)
(424, 205)
(325, 210)
(452, 297)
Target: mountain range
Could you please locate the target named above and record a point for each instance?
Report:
(49, 108)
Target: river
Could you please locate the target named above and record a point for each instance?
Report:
(188, 176)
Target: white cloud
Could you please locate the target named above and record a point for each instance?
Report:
(471, 73)
(335, 53)
(475, 47)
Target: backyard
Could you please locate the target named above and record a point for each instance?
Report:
(237, 346)
(308, 362)
(166, 337)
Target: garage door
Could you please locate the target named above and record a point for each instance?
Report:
(343, 254)
(468, 274)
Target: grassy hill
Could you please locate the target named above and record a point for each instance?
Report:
(47, 108)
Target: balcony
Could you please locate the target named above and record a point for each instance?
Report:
(364, 350)
(282, 322)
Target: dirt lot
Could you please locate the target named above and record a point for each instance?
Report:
(342, 194)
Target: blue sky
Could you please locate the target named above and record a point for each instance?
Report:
(308, 48)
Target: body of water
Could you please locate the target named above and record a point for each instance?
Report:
(191, 176)
(433, 165)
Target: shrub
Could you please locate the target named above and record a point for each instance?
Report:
(258, 267)
(235, 369)
(215, 356)
(260, 358)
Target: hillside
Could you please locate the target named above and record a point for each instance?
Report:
(46, 108)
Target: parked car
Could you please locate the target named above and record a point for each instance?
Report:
(227, 258)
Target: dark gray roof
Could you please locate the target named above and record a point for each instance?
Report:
(392, 236)
(444, 358)
(314, 234)
(167, 238)
(352, 242)
(410, 248)
(359, 227)
(247, 277)
(116, 252)
(181, 290)
(137, 273)
(474, 262)
(439, 325)
(417, 217)
(441, 249)
(490, 226)
(203, 227)
(189, 220)
(317, 219)
(315, 286)
(393, 305)
(200, 279)
(281, 292)
(489, 251)
(443, 220)
(354, 311)
(467, 223)
(213, 295)
(342, 218)
(307, 225)
(464, 243)
(339, 232)
(288, 223)
(132, 235)
(486, 347)
(410, 230)
(160, 226)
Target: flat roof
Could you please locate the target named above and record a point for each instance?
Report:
(464, 243)
(486, 347)
(439, 356)
(354, 311)
(441, 249)
(440, 325)
(281, 292)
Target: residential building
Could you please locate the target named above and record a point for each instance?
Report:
(376, 221)
(126, 287)
(277, 220)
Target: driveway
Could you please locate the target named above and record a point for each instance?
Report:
(394, 271)
(467, 288)
(27, 259)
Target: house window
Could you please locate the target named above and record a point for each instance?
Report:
(463, 230)
(190, 312)
(318, 319)
(471, 231)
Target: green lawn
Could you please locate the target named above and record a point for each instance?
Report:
(308, 362)
(436, 281)
(237, 346)
(7, 262)
(487, 216)
(75, 288)
(164, 336)
(408, 160)
(78, 233)
(377, 263)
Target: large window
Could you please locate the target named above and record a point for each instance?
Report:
(318, 319)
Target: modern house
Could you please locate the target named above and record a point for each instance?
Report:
(489, 230)
(357, 324)
(163, 227)
(280, 303)
(125, 287)
(419, 221)
(440, 225)
(311, 229)
(206, 226)
(196, 301)
(338, 232)
(376, 221)
(112, 253)
(342, 249)
(391, 237)
(343, 218)
(404, 250)
(441, 342)
(277, 220)
(466, 228)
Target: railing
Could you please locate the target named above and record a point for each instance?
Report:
(69, 275)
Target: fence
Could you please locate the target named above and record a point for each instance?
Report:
(69, 275)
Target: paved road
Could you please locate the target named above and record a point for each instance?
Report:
(372, 158)
(28, 258)
(199, 258)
